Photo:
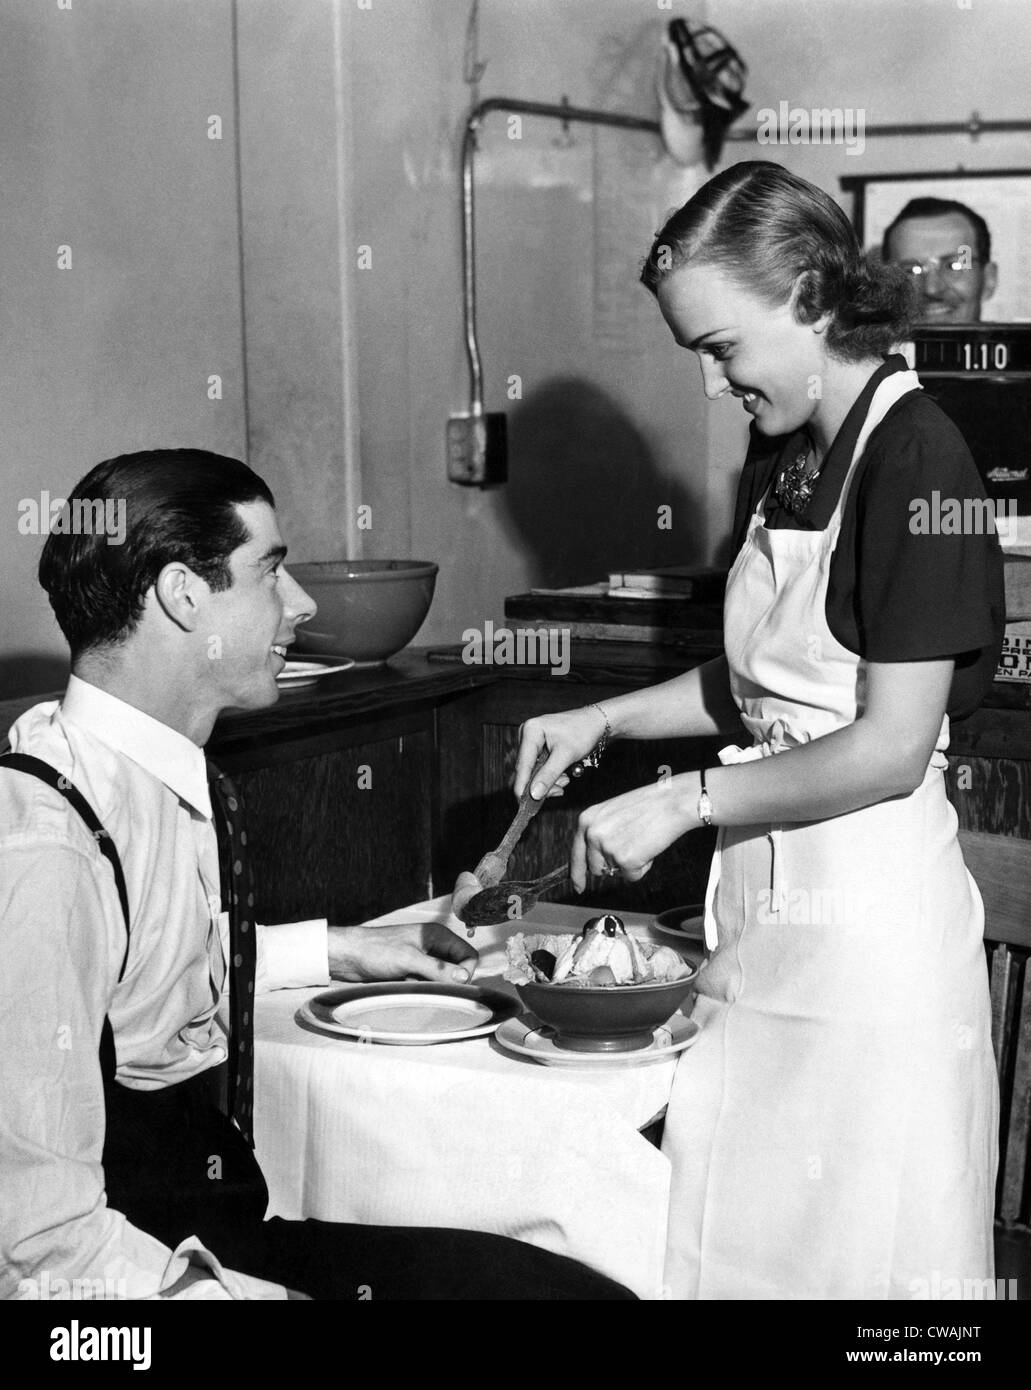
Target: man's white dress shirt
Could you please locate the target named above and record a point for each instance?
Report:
(62, 938)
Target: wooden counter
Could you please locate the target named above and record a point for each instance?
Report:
(438, 740)
(374, 788)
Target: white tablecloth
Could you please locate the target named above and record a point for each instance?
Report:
(463, 1134)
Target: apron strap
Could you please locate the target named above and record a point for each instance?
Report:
(889, 393)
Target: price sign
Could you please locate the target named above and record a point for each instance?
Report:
(971, 349)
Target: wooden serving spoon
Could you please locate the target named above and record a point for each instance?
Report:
(492, 867)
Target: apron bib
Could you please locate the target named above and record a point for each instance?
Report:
(833, 1131)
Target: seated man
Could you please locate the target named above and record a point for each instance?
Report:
(947, 249)
(114, 1157)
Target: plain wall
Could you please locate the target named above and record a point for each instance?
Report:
(104, 113)
(612, 421)
(104, 110)
(296, 124)
(605, 429)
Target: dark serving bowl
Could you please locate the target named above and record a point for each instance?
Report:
(611, 1018)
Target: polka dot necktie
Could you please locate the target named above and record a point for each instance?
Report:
(238, 899)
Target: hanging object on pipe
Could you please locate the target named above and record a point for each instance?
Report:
(680, 119)
(714, 72)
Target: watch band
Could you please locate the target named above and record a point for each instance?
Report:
(704, 803)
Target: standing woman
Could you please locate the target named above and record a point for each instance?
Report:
(832, 1133)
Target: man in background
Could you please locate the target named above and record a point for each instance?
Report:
(947, 249)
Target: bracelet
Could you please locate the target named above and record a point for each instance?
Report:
(704, 803)
(594, 756)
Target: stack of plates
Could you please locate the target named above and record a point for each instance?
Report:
(296, 674)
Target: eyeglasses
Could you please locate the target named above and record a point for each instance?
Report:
(950, 266)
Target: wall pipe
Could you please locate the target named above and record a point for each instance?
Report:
(562, 111)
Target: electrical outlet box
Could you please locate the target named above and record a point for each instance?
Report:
(477, 449)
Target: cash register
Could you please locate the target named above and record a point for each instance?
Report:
(980, 375)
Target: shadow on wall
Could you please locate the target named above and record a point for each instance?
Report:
(584, 493)
(31, 673)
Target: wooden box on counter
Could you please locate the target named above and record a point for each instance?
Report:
(594, 615)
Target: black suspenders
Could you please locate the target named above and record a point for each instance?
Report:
(36, 767)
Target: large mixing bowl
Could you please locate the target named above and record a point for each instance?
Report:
(368, 609)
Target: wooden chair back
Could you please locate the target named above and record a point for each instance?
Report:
(1001, 867)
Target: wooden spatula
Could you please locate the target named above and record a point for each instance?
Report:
(492, 867)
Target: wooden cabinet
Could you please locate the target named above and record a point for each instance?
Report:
(989, 783)
(989, 776)
(343, 823)
(437, 744)
(377, 791)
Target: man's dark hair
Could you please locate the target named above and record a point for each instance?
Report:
(943, 207)
(180, 504)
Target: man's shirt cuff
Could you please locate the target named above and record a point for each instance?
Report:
(292, 955)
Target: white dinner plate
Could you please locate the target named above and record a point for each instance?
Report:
(296, 674)
(528, 1037)
(408, 1013)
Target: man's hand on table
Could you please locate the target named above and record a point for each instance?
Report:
(419, 950)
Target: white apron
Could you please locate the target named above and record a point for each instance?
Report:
(833, 1132)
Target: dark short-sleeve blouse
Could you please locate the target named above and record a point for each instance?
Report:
(901, 587)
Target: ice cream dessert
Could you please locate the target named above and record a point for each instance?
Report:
(603, 954)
